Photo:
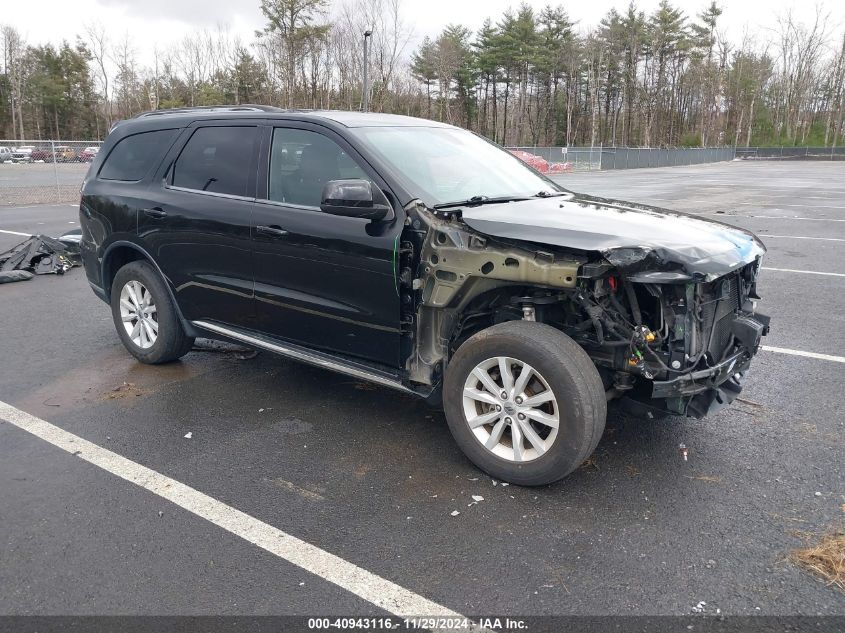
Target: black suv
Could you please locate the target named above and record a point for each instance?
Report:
(421, 257)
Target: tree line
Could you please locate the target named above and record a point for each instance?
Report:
(654, 79)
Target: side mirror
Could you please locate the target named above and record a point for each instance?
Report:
(354, 199)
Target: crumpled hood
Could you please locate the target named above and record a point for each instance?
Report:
(647, 243)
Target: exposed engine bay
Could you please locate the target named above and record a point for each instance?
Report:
(665, 334)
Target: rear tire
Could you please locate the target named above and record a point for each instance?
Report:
(145, 316)
(538, 423)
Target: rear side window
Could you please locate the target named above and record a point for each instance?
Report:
(135, 155)
(217, 159)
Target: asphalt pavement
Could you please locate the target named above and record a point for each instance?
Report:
(373, 476)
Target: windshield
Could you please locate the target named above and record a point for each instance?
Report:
(450, 165)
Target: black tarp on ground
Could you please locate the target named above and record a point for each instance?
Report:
(39, 255)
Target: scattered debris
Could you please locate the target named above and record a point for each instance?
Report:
(746, 401)
(817, 493)
(633, 471)
(477, 498)
(160, 513)
(827, 559)
(699, 608)
(189, 435)
(590, 462)
(684, 451)
(504, 483)
(11, 276)
(124, 391)
(40, 255)
(454, 513)
(223, 347)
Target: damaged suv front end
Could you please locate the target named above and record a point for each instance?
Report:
(664, 303)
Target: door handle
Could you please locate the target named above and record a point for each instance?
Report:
(271, 231)
(155, 212)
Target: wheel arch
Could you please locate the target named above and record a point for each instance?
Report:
(122, 252)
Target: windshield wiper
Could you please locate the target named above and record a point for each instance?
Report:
(479, 200)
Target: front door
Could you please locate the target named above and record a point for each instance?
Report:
(322, 280)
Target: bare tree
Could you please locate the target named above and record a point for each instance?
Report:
(98, 44)
(13, 63)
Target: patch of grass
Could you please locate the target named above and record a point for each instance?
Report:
(826, 559)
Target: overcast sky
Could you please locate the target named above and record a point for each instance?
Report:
(164, 22)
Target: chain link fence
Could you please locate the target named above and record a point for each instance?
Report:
(43, 172)
(594, 158)
(791, 153)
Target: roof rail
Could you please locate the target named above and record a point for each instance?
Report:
(247, 107)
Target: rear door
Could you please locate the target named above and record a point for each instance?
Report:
(322, 280)
(197, 224)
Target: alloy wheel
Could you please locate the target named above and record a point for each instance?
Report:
(138, 313)
(510, 409)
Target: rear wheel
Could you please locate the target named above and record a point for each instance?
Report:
(145, 316)
(524, 402)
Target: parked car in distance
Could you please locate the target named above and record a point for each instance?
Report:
(541, 164)
(64, 154)
(5, 155)
(23, 154)
(88, 154)
(41, 155)
(419, 256)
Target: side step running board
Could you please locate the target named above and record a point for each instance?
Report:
(309, 356)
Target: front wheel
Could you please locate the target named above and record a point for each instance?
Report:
(524, 402)
(145, 316)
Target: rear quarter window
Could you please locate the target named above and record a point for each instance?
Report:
(135, 155)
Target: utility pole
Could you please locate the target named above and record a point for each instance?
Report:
(366, 98)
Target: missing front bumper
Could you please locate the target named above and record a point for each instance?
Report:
(697, 382)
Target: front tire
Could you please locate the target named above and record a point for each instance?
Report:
(524, 402)
(145, 316)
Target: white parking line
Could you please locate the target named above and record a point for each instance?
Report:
(804, 272)
(16, 233)
(798, 352)
(376, 590)
(799, 237)
(803, 206)
(775, 217)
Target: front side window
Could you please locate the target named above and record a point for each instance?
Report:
(135, 155)
(302, 162)
(217, 159)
